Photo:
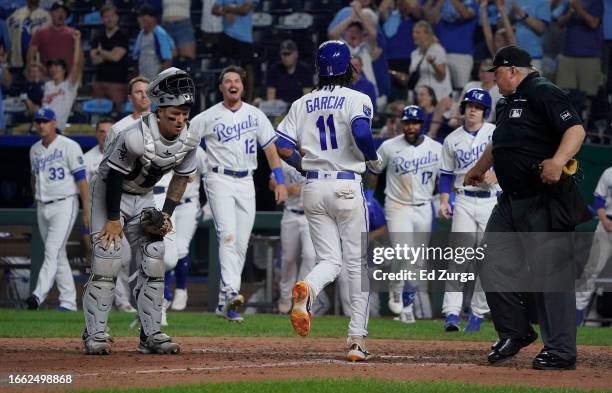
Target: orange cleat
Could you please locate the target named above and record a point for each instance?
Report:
(302, 303)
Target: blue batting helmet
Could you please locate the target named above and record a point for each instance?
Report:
(413, 113)
(333, 58)
(477, 96)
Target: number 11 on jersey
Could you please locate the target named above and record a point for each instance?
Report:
(323, 132)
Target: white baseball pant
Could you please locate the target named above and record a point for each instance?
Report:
(601, 250)
(55, 222)
(296, 244)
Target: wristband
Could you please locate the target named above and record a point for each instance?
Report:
(278, 175)
(169, 206)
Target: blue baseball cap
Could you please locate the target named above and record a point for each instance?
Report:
(44, 114)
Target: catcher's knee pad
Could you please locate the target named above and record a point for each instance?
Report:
(149, 291)
(106, 262)
(152, 263)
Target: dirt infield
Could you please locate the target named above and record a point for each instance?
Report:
(242, 359)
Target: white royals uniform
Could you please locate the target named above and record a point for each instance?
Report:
(57, 207)
(232, 139)
(184, 218)
(601, 250)
(473, 205)
(411, 180)
(93, 158)
(320, 124)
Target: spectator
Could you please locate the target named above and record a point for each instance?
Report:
(236, 42)
(455, 22)
(154, 48)
(5, 82)
(5, 41)
(109, 54)
(34, 86)
(397, 26)
(361, 6)
(504, 35)
(361, 83)
(22, 25)
(288, 79)
(60, 92)
(580, 63)
(54, 41)
(211, 25)
(176, 19)
(393, 124)
(426, 100)
(530, 20)
(430, 59)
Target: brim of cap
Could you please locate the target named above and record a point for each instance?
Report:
(492, 69)
(413, 120)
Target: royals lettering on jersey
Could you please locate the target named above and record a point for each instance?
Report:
(232, 137)
(462, 149)
(320, 123)
(53, 168)
(411, 170)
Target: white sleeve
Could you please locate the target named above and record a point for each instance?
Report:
(75, 160)
(32, 165)
(359, 106)
(437, 51)
(287, 129)
(188, 166)
(603, 184)
(197, 124)
(382, 153)
(265, 131)
(202, 164)
(447, 165)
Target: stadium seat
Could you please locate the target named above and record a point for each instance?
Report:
(295, 21)
(92, 19)
(262, 19)
(97, 106)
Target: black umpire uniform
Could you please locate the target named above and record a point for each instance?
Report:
(530, 125)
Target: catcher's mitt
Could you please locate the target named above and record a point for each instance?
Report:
(155, 222)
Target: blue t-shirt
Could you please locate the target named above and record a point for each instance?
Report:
(381, 65)
(339, 17)
(399, 36)
(242, 27)
(366, 87)
(527, 38)
(580, 39)
(457, 35)
(607, 20)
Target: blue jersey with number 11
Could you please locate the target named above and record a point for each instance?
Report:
(320, 124)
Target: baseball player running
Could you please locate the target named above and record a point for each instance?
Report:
(602, 244)
(122, 203)
(232, 131)
(176, 243)
(331, 125)
(412, 161)
(58, 174)
(473, 205)
(92, 161)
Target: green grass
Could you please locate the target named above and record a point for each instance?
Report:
(341, 385)
(50, 323)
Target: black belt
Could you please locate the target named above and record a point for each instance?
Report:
(55, 200)
(296, 211)
(230, 172)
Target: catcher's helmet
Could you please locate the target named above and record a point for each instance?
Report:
(171, 87)
(333, 58)
(413, 113)
(478, 96)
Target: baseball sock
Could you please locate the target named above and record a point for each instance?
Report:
(168, 285)
(181, 271)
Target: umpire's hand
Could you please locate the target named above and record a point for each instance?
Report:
(550, 171)
(473, 177)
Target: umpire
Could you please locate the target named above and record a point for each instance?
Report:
(537, 133)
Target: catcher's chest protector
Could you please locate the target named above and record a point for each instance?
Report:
(160, 155)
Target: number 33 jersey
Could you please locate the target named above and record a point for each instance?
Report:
(53, 168)
(319, 124)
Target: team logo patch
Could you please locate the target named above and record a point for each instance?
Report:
(367, 110)
(122, 151)
(80, 160)
(515, 113)
(565, 116)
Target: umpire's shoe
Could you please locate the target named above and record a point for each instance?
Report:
(97, 343)
(549, 361)
(32, 303)
(505, 348)
(302, 306)
(158, 343)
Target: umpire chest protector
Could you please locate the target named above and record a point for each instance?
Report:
(160, 155)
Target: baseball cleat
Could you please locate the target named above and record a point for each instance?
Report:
(301, 311)
(97, 344)
(235, 303)
(32, 303)
(396, 303)
(473, 324)
(234, 316)
(407, 315)
(180, 299)
(356, 349)
(451, 324)
(158, 343)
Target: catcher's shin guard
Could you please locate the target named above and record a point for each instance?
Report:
(98, 295)
(149, 291)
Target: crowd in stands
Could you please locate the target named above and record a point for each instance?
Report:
(60, 54)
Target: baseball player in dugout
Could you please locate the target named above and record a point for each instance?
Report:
(473, 204)
(122, 204)
(332, 127)
(537, 134)
(232, 130)
(412, 160)
(58, 174)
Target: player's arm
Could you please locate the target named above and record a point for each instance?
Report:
(77, 59)
(292, 189)
(84, 193)
(446, 185)
(112, 232)
(280, 191)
